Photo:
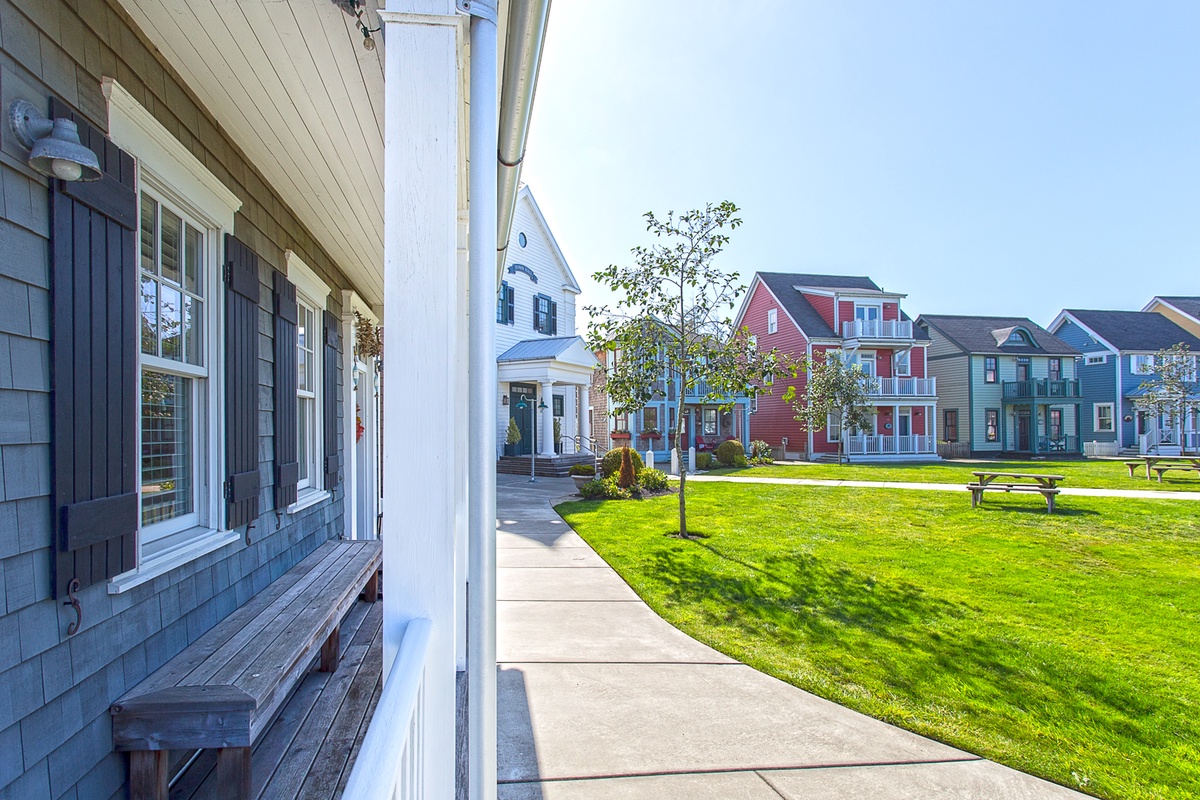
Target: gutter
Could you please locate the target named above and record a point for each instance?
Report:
(524, 39)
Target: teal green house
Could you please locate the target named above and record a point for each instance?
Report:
(1006, 386)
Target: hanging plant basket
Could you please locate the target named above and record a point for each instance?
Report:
(369, 337)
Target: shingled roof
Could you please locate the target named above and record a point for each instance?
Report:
(985, 334)
(1143, 331)
(1188, 305)
(783, 286)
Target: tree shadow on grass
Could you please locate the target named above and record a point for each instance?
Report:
(1039, 509)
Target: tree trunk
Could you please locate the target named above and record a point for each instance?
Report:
(683, 465)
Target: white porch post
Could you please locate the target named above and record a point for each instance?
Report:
(420, 329)
(350, 487)
(483, 391)
(585, 419)
(547, 421)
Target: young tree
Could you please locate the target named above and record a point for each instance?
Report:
(672, 321)
(1171, 391)
(835, 389)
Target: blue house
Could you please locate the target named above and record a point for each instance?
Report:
(1118, 350)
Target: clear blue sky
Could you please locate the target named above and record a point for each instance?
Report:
(983, 157)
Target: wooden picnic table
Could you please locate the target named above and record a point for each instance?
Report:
(1161, 464)
(1045, 485)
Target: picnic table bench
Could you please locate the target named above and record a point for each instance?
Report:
(1046, 485)
(224, 690)
(1161, 464)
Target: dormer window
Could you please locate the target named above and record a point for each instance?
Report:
(1019, 337)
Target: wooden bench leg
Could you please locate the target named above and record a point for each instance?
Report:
(233, 773)
(371, 590)
(1049, 504)
(148, 774)
(976, 497)
(331, 651)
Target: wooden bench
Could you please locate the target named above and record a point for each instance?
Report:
(224, 690)
(1132, 465)
(1045, 485)
(1159, 470)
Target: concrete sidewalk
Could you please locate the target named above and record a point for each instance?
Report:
(1139, 494)
(600, 698)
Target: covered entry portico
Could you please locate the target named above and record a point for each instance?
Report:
(532, 370)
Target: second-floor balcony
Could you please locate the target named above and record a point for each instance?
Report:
(877, 329)
(1042, 388)
(904, 387)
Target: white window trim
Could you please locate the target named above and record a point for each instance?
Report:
(171, 171)
(314, 292)
(1145, 358)
(1112, 417)
(772, 320)
(896, 360)
(1094, 358)
(830, 427)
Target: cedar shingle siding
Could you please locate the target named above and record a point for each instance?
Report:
(55, 690)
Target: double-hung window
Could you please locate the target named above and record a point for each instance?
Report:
(505, 305)
(990, 371)
(772, 320)
(991, 424)
(1141, 365)
(1103, 415)
(1054, 369)
(175, 293)
(833, 428)
(545, 315)
(950, 425)
(710, 422)
(311, 294)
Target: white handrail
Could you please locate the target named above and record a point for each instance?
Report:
(391, 760)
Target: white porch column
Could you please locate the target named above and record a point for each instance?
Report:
(585, 419)
(350, 485)
(420, 330)
(483, 391)
(547, 420)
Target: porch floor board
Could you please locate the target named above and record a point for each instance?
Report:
(311, 746)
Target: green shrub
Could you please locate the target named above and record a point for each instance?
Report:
(704, 460)
(611, 463)
(652, 480)
(604, 489)
(582, 469)
(727, 453)
(513, 435)
(627, 477)
(760, 452)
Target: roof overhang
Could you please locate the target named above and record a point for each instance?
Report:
(573, 364)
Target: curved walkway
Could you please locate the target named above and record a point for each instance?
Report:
(601, 698)
(1140, 494)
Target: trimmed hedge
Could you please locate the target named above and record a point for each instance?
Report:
(728, 453)
(582, 469)
(704, 460)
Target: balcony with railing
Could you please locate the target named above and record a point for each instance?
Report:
(904, 387)
(876, 445)
(877, 329)
(1042, 389)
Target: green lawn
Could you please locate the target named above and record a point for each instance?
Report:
(1090, 473)
(1067, 646)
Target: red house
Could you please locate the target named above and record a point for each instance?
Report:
(806, 315)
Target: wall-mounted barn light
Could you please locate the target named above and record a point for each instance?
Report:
(54, 146)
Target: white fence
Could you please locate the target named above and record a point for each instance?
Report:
(877, 329)
(890, 445)
(390, 763)
(1094, 449)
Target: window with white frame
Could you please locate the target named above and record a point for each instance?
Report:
(176, 288)
(311, 294)
(1103, 414)
(903, 360)
(1141, 365)
(1099, 359)
(772, 320)
(833, 428)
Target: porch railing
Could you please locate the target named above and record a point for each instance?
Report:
(1155, 439)
(1058, 444)
(391, 762)
(904, 387)
(1042, 387)
(877, 329)
(874, 445)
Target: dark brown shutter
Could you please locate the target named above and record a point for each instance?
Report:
(554, 319)
(536, 308)
(332, 462)
(509, 304)
(94, 341)
(287, 469)
(241, 382)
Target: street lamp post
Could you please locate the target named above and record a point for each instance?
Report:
(522, 405)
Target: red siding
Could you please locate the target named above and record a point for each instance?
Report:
(845, 314)
(883, 363)
(823, 305)
(917, 362)
(891, 311)
(918, 421)
(775, 419)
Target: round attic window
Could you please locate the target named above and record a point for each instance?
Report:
(521, 240)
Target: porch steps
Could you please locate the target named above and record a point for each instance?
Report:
(556, 467)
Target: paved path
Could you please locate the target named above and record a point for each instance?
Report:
(600, 699)
(1143, 494)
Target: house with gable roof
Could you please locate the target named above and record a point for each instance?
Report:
(1118, 357)
(1007, 386)
(1183, 311)
(810, 316)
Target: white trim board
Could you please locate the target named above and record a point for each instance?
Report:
(131, 127)
(308, 282)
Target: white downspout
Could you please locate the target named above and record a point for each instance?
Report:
(481, 359)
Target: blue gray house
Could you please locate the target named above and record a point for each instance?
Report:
(1118, 355)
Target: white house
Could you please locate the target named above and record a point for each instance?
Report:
(540, 359)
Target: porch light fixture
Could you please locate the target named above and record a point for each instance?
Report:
(54, 146)
(365, 30)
